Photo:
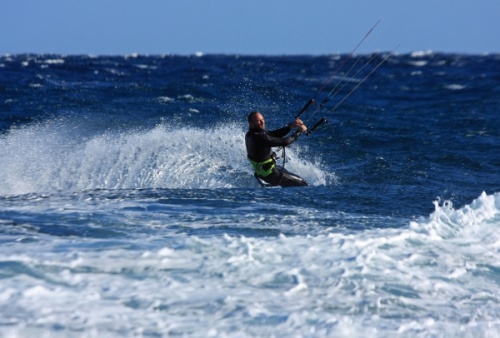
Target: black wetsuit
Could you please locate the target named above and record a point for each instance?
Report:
(259, 143)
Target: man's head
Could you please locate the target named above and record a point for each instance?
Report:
(256, 121)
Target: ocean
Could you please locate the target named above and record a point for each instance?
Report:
(128, 207)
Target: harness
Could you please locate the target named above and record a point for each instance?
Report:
(264, 168)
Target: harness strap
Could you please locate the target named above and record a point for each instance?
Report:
(264, 168)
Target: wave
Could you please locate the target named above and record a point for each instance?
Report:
(469, 222)
(59, 156)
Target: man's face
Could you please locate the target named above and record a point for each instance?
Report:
(258, 122)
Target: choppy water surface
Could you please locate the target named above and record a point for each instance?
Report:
(128, 208)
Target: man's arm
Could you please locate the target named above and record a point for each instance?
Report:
(267, 140)
(285, 130)
(280, 132)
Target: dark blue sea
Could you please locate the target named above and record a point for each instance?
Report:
(128, 207)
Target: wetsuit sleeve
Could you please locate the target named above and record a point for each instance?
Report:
(268, 140)
(280, 132)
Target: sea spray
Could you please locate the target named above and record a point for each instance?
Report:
(48, 157)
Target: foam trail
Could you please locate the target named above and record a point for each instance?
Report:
(51, 157)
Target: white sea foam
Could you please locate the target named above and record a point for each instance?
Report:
(447, 222)
(165, 99)
(437, 275)
(140, 66)
(455, 86)
(421, 53)
(48, 157)
(54, 61)
(418, 63)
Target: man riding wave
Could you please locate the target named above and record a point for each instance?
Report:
(259, 143)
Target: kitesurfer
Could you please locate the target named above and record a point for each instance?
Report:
(259, 143)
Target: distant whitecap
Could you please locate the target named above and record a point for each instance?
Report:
(165, 99)
(54, 61)
(455, 87)
(418, 63)
(421, 53)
